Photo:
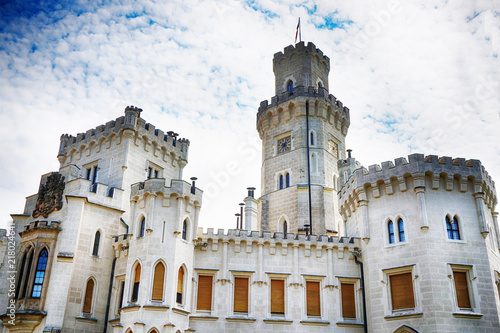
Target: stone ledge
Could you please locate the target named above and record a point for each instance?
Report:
(468, 315)
(315, 322)
(278, 321)
(241, 319)
(157, 307)
(350, 323)
(130, 308)
(83, 318)
(404, 315)
(204, 318)
(180, 311)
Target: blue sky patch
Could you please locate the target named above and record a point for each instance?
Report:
(333, 22)
(258, 8)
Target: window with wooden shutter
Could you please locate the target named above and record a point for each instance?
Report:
(278, 296)
(462, 289)
(348, 300)
(312, 298)
(204, 301)
(241, 294)
(158, 280)
(137, 280)
(87, 299)
(402, 291)
(180, 285)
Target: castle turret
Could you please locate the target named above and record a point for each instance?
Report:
(303, 132)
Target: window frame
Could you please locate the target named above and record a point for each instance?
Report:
(185, 228)
(243, 275)
(142, 226)
(204, 273)
(37, 270)
(471, 279)
(356, 283)
(135, 292)
(278, 277)
(97, 243)
(461, 234)
(319, 280)
(396, 231)
(92, 296)
(153, 171)
(153, 279)
(387, 274)
(183, 287)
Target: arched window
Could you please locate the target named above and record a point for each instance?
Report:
(452, 228)
(137, 281)
(184, 230)
(287, 179)
(142, 227)
(40, 274)
(289, 87)
(311, 138)
(21, 271)
(27, 273)
(390, 227)
(281, 182)
(89, 295)
(401, 230)
(180, 284)
(285, 228)
(158, 280)
(97, 239)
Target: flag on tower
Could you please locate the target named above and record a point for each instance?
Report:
(297, 33)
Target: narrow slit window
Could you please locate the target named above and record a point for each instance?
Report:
(390, 227)
(137, 281)
(97, 239)
(184, 230)
(287, 179)
(281, 182)
(142, 227)
(401, 230)
(180, 285)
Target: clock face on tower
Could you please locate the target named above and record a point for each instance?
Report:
(284, 144)
(334, 149)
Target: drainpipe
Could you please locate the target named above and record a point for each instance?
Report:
(308, 168)
(108, 304)
(356, 254)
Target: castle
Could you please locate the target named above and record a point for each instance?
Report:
(110, 243)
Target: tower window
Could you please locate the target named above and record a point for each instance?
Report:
(89, 294)
(142, 227)
(289, 87)
(281, 182)
(452, 228)
(137, 281)
(184, 230)
(311, 138)
(180, 285)
(40, 274)
(158, 280)
(401, 230)
(287, 179)
(97, 239)
(390, 227)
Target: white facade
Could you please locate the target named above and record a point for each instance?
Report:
(408, 246)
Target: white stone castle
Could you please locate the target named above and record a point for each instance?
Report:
(111, 242)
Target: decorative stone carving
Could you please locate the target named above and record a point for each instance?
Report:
(50, 195)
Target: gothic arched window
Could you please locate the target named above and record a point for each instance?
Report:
(89, 295)
(180, 285)
(40, 274)
(285, 228)
(137, 281)
(287, 179)
(390, 227)
(401, 230)
(142, 228)
(97, 239)
(184, 230)
(452, 228)
(289, 87)
(281, 182)
(158, 281)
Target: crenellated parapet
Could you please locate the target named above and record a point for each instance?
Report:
(157, 187)
(287, 105)
(249, 239)
(103, 136)
(418, 172)
(301, 48)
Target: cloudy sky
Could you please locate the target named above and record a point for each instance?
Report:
(418, 76)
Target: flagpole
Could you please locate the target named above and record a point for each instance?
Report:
(300, 32)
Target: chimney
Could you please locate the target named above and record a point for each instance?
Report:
(251, 210)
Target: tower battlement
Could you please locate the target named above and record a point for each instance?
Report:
(300, 65)
(300, 48)
(419, 165)
(114, 128)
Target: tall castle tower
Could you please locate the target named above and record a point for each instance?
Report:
(303, 132)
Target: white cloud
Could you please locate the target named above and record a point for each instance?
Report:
(201, 68)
